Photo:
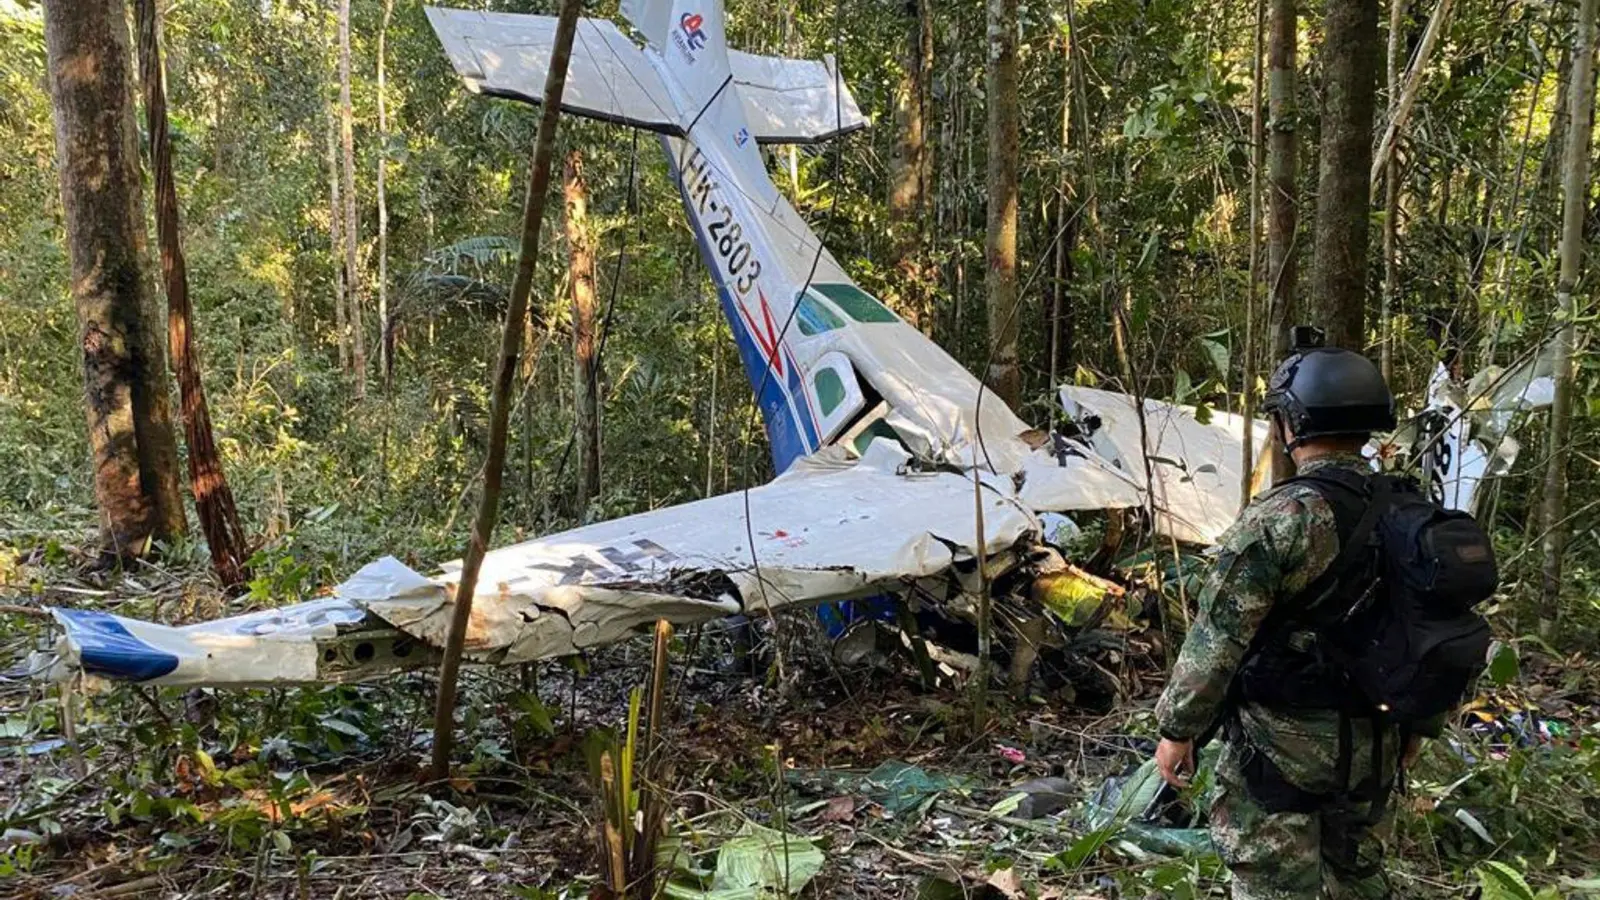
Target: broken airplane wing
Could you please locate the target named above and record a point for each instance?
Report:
(824, 532)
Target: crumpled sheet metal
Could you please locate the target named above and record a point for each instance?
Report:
(821, 533)
(1196, 467)
(1462, 433)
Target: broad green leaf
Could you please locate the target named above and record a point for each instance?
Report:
(1182, 386)
(754, 863)
(1474, 826)
(1218, 354)
(1083, 849)
(1504, 665)
(1501, 882)
(1584, 886)
(1008, 804)
(208, 766)
(342, 727)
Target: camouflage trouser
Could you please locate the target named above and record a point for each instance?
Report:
(1332, 852)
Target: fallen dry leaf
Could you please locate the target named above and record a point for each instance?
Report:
(840, 809)
(1007, 882)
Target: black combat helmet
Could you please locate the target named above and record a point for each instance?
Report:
(1323, 391)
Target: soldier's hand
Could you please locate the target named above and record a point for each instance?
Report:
(1175, 761)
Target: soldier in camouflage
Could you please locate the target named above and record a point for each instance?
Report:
(1281, 543)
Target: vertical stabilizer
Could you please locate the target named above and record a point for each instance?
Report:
(693, 48)
(650, 17)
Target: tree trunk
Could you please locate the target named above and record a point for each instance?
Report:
(358, 344)
(586, 384)
(336, 238)
(213, 500)
(1550, 163)
(1258, 140)
(1282, 271)
(336, 242)
(505, 373)
(1391, 200)
(135, 455)
(1574, 205)
(1004, 375)
(909, 169)
(1065, 236)
(1349, 91)
(385, 332)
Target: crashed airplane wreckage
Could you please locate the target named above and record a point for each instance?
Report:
(886, 448)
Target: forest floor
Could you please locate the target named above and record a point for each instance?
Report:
(302, 793)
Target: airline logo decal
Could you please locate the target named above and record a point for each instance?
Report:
(690, 36)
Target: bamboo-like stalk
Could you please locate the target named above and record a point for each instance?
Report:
(1575, 191)
(1247, 452)
(1413, 84)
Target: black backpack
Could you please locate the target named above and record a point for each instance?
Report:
(1395, 635)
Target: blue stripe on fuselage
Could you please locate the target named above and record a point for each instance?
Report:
(790, 431)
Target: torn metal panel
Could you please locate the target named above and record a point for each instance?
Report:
(1195, 467)
(1460, 438)
(1075, 478)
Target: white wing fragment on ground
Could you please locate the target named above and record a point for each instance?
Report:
(821, 533)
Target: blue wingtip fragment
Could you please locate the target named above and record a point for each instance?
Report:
(107, 647)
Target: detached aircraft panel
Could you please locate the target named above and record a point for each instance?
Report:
(1195, 466)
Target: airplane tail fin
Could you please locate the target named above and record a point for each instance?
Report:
(786, 101)
(690, 36)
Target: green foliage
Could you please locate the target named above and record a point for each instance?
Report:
(1474, 798)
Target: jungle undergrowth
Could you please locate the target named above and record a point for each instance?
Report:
(308, 789)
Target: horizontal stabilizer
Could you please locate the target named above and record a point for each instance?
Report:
(651, 17)
(794, 101)
(507, 55)
(787, 101)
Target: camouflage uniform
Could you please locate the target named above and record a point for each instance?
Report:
(1281, 543)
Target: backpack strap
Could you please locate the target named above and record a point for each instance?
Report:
(1358, 502)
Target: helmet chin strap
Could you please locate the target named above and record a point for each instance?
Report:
(1289, 446)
